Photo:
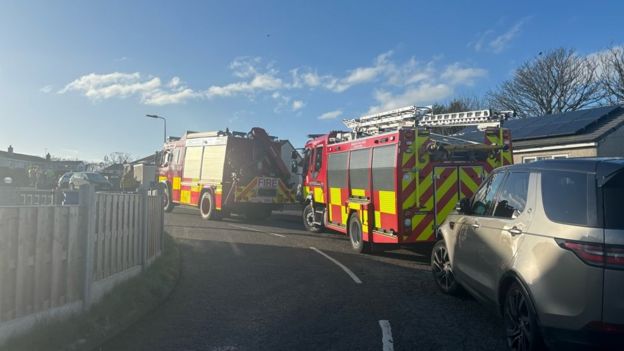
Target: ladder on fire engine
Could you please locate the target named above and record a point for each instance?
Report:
(414, 116)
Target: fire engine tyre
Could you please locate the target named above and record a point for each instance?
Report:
(521, 327)
(207, 206)
(442, 270)
(308, 220)
(355, 234)
(167, 204)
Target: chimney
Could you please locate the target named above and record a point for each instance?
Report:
(10, 149)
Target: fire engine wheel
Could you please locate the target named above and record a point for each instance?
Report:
(207, 206)
(167, 204)
(442, 269)
(308, 220)
(355, 234)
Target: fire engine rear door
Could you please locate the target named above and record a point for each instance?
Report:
(470, 177)
(445, 191)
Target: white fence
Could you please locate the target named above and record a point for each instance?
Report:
(56, 260)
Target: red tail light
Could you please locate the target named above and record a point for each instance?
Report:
(605, 327)
(601, 255)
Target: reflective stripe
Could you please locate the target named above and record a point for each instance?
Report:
(358, 192)
(387, 202)
(335, 196)
(176, 183)
(185, 196)
(318, 195)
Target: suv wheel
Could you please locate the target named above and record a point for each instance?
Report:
(442, 269)
(521, 325)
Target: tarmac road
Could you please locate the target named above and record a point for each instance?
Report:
(262, 286)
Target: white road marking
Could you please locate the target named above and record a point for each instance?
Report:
(256, 230)
(386, 335)
(344, 268)
(280, 235)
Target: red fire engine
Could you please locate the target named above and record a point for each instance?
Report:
(391, 180)
(224, 172)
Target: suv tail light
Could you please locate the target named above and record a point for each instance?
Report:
(608, 256)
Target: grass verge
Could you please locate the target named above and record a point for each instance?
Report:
(119, 309)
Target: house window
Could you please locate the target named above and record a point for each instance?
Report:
(529, 159)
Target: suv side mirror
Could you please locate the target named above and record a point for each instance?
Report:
(463, 206)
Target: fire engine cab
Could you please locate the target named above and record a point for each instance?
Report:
(223, 172)
(391, 179)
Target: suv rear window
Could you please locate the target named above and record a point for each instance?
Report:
(613, 194)
(569, 197)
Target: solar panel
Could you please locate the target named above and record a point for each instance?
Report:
(568, 123)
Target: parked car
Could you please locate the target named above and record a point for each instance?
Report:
(96, 179)
(543, 243)
(63, 182)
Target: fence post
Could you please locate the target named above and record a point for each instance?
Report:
(88, 214)
(145, 226)
(161, 211)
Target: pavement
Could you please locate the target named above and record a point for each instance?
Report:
(273, 286)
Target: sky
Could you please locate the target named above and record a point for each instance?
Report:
(78, 77)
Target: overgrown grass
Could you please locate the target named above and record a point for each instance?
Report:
(124, 305)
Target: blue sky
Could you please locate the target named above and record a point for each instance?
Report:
(77, 77)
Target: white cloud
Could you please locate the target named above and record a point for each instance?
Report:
(123, 85)
(399, 83)
(423, 94)
(104, 86)
(500, 42)
(457, 74)
(46, 89)
(489, 41)
(258, 79)
(169, 98)
(359, 75)
(174, 82)
(297, 105)
(266, 82)
(330, 115)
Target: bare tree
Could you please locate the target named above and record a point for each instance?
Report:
(612, 73)
(456, 105)
(117, 158)
(558, 81)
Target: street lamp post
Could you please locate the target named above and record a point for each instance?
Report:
(164, 120)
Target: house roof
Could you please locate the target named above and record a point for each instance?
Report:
(21, 157)
(581, 126)
(151, 159)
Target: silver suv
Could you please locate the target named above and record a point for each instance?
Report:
(544, 243)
